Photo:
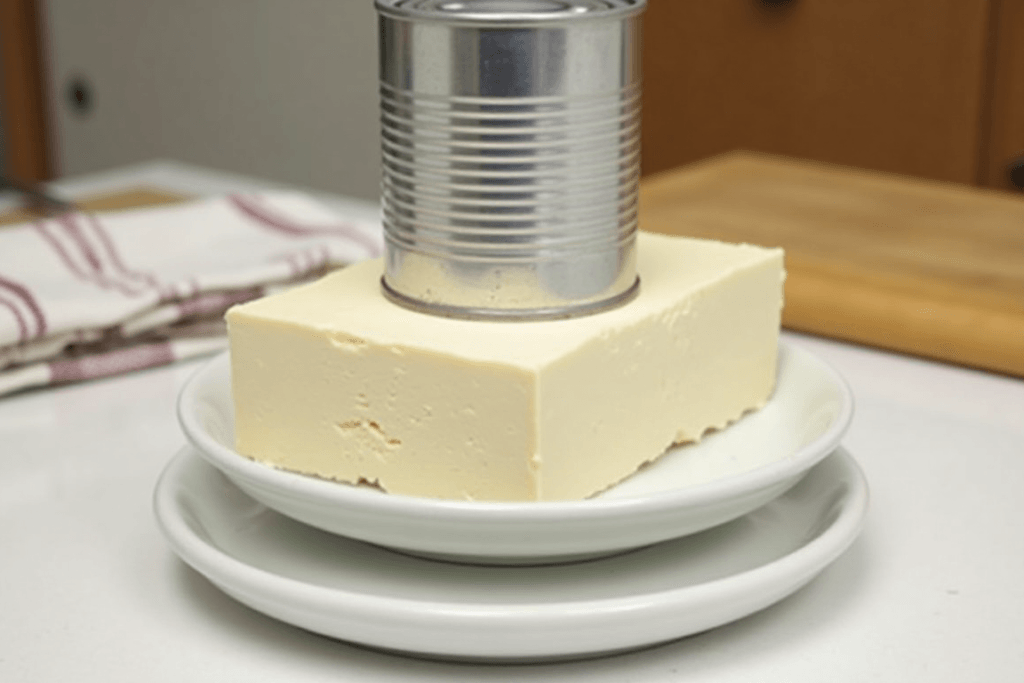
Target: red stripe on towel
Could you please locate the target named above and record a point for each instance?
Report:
(61, 252)
(267, 218)
(100, 276)
(112, 253)
(18, 317)
(29, 300)
(111, 363)
(67, 221)
(216, 302)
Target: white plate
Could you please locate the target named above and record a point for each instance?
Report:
(689, 489)
(366, 594)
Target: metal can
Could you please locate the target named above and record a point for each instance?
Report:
(510, 140)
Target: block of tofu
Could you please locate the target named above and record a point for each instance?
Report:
(333, 380)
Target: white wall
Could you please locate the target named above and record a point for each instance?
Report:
(280, 89)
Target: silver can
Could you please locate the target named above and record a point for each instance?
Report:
(510, 139)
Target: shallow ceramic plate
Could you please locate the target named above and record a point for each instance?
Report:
(689, 489)
(366, 594)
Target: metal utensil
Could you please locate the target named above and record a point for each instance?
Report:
(38, 198)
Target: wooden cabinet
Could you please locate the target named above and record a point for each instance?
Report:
(1005, 134)
(930, 88)
(23, 138)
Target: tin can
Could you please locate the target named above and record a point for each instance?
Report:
(510, 139)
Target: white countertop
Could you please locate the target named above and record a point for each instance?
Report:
(931, 591)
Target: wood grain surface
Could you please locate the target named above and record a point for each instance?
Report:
(24, 113)
(894, 86)
(927, 268)
(1005, 135)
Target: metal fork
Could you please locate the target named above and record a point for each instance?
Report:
(38, 198)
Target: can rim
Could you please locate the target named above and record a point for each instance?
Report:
(492, 12)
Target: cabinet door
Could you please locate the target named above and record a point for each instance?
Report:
(893, 86)
(280, 90)
(23, 148)
(1006, 132)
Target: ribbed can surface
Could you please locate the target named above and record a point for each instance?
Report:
(510, 146)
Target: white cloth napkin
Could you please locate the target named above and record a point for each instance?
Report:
(90, 295)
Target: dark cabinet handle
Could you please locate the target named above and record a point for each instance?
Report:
(1015, 172)
(78, 92)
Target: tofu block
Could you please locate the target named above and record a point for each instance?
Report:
(333, 380)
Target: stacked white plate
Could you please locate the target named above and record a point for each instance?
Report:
(709, 533)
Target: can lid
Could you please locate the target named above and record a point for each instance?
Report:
(508, 11)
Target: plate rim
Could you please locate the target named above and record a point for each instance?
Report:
(761, 586)
(349, 497)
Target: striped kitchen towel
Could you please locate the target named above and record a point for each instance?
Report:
(90, 295)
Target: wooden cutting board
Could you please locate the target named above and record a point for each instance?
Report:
(931, 269)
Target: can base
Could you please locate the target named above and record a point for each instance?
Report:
(510, 314)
